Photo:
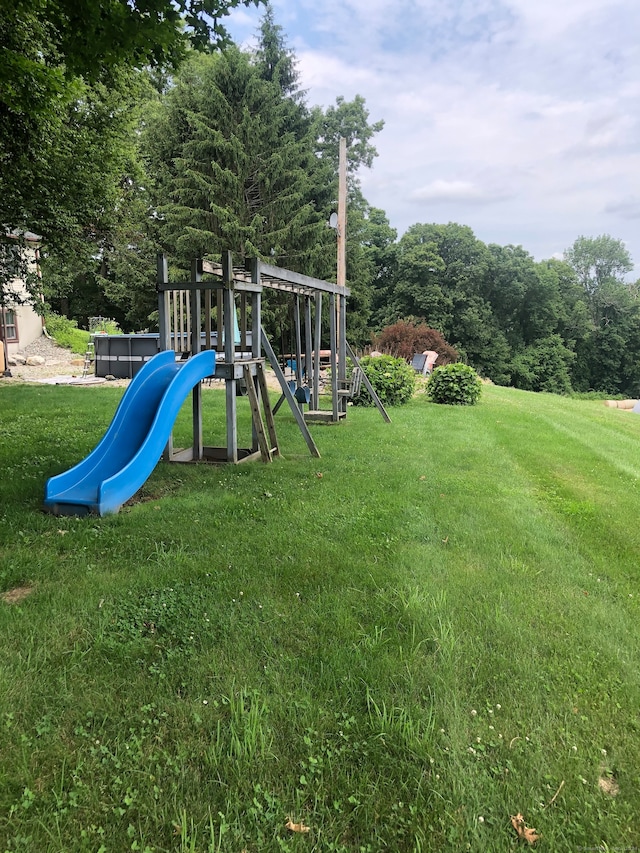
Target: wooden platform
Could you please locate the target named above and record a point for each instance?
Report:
(323, 416)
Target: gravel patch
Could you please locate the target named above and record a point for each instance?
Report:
(58, 361)
(61, 362)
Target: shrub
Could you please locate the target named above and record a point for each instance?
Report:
(544, 366)
(66, 333)
(405, 338)
(392, 378)
(454, 384)
(104, 325)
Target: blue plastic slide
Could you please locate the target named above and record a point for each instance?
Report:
(133, 444)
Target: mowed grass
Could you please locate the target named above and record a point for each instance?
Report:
(433, 627)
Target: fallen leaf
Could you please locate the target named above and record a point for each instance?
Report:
(319, 475)
(423, 478)
(524, 832)
(296, 827)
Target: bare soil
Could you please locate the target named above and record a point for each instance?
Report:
(16, 595)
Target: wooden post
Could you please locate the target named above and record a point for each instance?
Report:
(164, 327)
(316, 351)
(308, 364)
(342, 345)
(341, 273)
(243, 322)
(256, 310)
(298, 334)
(207, 319)
(219, 316)
(164, 306)
(229, 357)
(196, 394)
(256, 343)
(334, 356)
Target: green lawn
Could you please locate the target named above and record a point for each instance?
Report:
(430, 629)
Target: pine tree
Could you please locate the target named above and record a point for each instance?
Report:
(233, 163)
(275, 61)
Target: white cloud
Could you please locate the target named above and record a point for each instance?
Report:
(530, 103)
(459, 191)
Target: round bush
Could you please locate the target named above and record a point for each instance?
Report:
(454, 384)
(392, 378)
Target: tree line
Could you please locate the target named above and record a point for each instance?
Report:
(191, 152)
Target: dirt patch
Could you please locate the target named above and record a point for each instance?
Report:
(16, 595)
(609, 786)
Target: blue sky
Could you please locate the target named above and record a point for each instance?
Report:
(519, 118)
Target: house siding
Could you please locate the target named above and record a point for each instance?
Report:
(28, 323)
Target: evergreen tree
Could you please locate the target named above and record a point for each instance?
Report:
(275, 61)
(231, 170)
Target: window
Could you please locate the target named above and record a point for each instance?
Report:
(9, 327)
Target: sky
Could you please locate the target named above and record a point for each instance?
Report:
(518, 118)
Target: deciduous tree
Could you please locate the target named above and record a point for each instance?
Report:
(598, 261)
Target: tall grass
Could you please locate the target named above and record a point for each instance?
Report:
(431, 628)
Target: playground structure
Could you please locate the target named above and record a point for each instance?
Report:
(187, 326)
(233, 348)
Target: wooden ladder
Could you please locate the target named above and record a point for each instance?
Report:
(88, 359)
(267, 439)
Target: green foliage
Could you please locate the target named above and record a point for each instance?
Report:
(348, 119)
(454, 384)
(545, 366)
(66, 333)
(392, 378)
(598, 261)
(382, 251)
(104, 325)
(70, 82)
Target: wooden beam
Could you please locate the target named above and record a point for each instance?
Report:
(289, 396)
(258, 423)
(369, 386)
(267, 271)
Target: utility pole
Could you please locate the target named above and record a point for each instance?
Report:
(341, 278)
(341, 273)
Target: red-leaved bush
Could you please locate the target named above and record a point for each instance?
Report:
(405, 338)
